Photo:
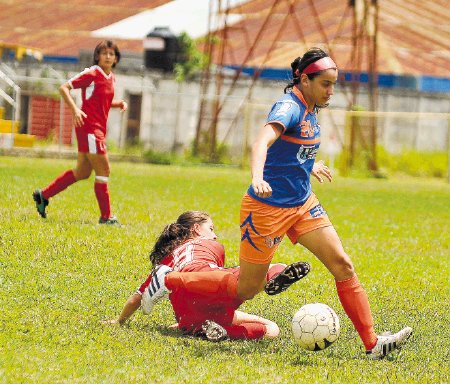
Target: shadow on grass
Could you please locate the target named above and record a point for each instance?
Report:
(264, 346)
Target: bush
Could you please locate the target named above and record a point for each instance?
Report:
(154, 157)
(414, 163)
(409, 162)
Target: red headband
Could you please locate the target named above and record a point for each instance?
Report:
(320, 65)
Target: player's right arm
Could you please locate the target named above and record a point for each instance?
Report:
(266, 137)
(132, 305)
(78, 114)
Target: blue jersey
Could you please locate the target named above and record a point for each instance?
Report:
(291, 157)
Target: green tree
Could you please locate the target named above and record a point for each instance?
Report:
(192, 60)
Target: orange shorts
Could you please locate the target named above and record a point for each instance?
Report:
(264, 226)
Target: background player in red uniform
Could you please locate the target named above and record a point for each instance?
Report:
(97, 89)
(280, 202)
(190, 245)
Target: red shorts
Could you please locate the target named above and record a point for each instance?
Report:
(191, 310)
(91, 140)
(263, 226)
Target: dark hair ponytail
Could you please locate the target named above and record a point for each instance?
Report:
(300, 63)
(175, 234)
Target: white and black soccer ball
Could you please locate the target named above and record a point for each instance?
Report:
(315, 326)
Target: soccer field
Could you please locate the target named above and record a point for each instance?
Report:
(61, 276)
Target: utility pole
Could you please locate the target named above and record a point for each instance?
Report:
(364, 41)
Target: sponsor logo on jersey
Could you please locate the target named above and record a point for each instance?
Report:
(306, 152)
(317, 211)
(271, 242)
(306, 130)
(283, 109)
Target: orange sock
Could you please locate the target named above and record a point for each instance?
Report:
(215, 284)
(354, 299)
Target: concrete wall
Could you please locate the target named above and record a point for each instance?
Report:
(170, 112)
(241, 118)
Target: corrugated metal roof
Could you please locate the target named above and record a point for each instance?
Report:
(413, 35)
(64, 27)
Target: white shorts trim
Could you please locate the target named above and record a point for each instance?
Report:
(92, 143)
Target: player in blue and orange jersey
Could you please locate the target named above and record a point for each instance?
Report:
(97, 90)
(189, 245)
(280, 202)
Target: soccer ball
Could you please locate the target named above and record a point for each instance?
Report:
(315, 326)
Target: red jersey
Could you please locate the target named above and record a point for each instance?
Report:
(97, 92)
(198, 253)
(194, 255)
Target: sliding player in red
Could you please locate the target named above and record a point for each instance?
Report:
(190, 245)
(97, 90)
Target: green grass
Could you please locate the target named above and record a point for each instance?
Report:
(61, 276)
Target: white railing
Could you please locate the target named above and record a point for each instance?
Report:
(14, 101)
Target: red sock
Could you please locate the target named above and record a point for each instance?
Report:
(246, 331)
(102, 194)
(64, 180)
(214, 284)
(356, 304)
(275, 270)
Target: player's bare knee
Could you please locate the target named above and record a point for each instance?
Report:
(272, 330)
(81, 175)
(103, 172)
(344, 267)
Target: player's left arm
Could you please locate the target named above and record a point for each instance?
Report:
(319, 170)
(272, 329)
(122, 104)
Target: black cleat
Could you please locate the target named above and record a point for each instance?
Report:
(41, 203)
(287, 277)
(214, 332)
(110, 221)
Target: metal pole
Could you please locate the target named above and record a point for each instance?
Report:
(219, 82)
(16, 109)
(448, 150)
(61, 122)
(175, 143)
(204, 82)
(13, 114)
(246, 139)
(371, 29)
